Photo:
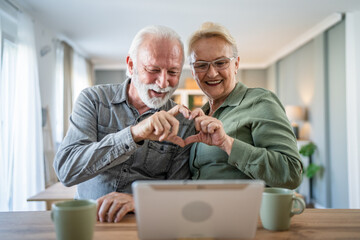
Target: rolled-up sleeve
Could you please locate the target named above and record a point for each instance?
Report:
(81, 156)
(273, 156)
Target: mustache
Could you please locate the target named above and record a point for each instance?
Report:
(158, 89)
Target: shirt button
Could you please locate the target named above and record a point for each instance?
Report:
(236, 164)
(126, 147)
(125, 170)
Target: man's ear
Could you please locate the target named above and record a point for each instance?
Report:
(130, 64)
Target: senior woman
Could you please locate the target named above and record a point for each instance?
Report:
(243, 132)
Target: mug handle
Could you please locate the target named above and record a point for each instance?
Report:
(301, 204)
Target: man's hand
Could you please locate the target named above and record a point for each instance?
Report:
(211, 132)
(161, 126)
(114, 206)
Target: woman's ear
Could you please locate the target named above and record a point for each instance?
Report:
(237, 63)
(191, 60)
(192, 71)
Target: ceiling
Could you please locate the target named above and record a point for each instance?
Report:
(102, 30)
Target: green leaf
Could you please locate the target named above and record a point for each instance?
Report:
(308, 149)
(311, 170)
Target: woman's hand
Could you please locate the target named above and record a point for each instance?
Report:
(211, 132)
(197, 112)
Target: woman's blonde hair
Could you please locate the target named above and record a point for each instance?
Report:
(208, 30)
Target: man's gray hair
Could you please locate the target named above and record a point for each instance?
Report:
(157, 31)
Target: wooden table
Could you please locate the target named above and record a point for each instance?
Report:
(55, 193)
(312, 224)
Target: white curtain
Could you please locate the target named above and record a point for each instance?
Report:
(22, 156)
(7, 91)
(73, 74)
(59, 98)
(81, 77)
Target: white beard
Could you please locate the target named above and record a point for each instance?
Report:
(143, 92)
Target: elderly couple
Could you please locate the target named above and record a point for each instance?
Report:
(132, 131)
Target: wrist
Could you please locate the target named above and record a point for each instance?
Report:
(227, 145)
(135, 135)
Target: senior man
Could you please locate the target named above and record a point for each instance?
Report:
(131, 131)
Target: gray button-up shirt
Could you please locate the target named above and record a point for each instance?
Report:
(99, 154)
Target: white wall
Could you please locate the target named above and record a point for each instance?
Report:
(301, 82)
(108, 76)
(314, 76)
(317, 114)
(352, 105)
(271, 78)
(336, 100)
(253, 77)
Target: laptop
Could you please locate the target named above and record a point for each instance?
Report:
(226, 209)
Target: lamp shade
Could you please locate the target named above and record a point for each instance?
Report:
(295, 113)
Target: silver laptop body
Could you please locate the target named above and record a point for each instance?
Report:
(226, 209)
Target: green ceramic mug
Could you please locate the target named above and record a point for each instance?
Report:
(277, 208)
(74, 219)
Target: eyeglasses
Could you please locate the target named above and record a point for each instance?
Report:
(219, 64)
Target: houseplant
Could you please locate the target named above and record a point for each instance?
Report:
(307, 151)
(312, 168)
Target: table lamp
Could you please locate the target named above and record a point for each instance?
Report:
(295, 114)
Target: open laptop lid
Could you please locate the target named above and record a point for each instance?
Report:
(197, 209)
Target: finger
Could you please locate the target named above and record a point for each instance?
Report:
(156, 124)
(174, 111)
(177, 140)
(104, 210)
(198, 123)
(129, 207)
(204, 125)
(206, 122)
(166, 126)
(114, 208)
(174, 125)
(185, 111)
(192, 139)
(212, 127)
(98, 205)
(199, 120)
(180, 109)
(198, 112)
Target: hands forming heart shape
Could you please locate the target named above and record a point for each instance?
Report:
(163, 126)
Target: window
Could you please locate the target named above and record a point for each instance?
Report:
(21, 145)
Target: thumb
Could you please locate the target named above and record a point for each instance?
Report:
(180, 109)
(192, 139)
(177, 140)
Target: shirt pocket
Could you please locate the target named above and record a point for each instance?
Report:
(159, 157)
(103, 131)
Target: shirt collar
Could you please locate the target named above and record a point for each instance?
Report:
(121, 94)
(234, 99)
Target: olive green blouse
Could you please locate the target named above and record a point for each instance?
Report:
(264, 147)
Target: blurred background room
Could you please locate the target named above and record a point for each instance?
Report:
(307, 52)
